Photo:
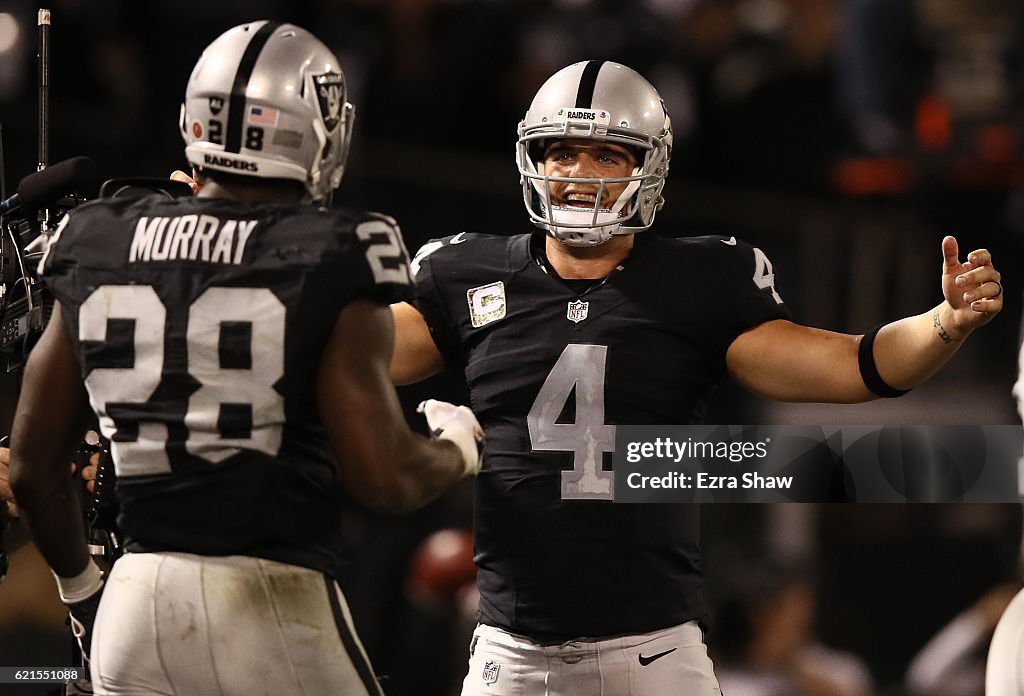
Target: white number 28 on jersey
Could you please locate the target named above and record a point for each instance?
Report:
(248, 387)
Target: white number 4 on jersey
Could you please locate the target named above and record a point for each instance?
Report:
(764, 276)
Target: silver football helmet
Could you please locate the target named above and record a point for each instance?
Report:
(604, 101)
(268, 99)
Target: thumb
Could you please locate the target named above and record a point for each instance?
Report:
(950, 254)
(178, 175)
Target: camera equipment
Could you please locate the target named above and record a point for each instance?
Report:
(103, 535)
(28, 219)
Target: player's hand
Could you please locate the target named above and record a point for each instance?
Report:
(89, 472)
(7, 506)
(178, 175)
(458, 424)
(972, 289)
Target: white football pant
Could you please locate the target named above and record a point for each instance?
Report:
(668, 662)
(178, 623)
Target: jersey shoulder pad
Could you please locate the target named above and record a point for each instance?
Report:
(62, 246)
(462, 250)
(723, 252)
(381, 249)
(709, 243)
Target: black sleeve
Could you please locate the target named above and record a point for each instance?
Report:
(378, 268)
(429, 300)
(748, 293)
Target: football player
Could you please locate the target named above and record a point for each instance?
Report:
(234, 347)
(566, 334)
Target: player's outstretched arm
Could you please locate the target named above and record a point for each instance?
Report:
(382, 463)
(788, 362)
(416, 356)
(51, 417)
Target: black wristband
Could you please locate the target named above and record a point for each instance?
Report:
(869, 370)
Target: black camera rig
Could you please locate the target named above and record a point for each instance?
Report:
(24, 304)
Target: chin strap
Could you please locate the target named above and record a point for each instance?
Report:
(581, 236)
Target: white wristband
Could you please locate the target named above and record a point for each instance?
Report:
(82, 586)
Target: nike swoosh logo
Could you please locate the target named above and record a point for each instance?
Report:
(648, 660)
(457, 239)
(731, 241)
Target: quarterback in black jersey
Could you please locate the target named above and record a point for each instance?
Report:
(234, 347)
(566, 335)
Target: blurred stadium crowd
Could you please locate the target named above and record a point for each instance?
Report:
(845, 137)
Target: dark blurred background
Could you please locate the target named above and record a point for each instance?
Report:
(843, 137)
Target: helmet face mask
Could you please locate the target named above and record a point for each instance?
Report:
(268, 100)
(604, 101)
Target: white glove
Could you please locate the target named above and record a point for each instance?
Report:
(458, 424)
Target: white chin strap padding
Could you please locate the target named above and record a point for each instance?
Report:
(579, 232)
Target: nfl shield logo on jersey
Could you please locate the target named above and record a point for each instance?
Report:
(577, 311)
(490, 674)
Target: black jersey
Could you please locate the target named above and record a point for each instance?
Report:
(552, 368)
(199, 325)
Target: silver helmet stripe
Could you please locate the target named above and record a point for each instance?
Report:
(588, 80)
(236, 106)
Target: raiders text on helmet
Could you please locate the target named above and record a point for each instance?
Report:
(268, 99)
(604, 101)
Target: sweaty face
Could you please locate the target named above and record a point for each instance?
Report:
(587, 159)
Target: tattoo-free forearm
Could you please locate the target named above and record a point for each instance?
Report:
(51, 418)
(52, 512)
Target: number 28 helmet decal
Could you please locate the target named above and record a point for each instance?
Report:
(268, 100)
(605, 101)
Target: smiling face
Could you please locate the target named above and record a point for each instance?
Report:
(587, 159)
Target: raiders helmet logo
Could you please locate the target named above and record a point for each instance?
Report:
(330, 94)
(216, 104)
